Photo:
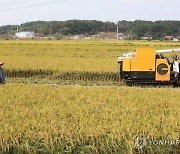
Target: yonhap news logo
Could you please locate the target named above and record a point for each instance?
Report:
(141, 142)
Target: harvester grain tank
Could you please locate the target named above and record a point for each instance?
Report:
(147, 65)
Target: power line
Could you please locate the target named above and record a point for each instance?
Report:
(30, 6)
(15, 2)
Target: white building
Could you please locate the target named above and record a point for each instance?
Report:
(25, 35)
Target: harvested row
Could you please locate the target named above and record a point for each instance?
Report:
(47, 74)
(69, 78)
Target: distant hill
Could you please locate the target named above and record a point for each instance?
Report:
(135, 29)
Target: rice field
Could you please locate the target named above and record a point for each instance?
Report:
(77, 119)
(70, 56)
(45, 118)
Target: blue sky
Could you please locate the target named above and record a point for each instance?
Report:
(20, 11)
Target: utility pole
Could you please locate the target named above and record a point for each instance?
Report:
(117, 32)
(17, 34)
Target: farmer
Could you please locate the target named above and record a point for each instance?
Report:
(2, 76)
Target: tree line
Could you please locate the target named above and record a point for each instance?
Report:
(135, 29)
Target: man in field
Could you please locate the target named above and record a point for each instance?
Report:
(2, 76)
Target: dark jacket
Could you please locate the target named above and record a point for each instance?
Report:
(2, 75)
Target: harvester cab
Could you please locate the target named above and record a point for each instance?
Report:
(147, 65)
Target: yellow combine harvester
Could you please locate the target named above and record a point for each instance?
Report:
(147, 65)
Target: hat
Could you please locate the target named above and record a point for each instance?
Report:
(1, 63)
